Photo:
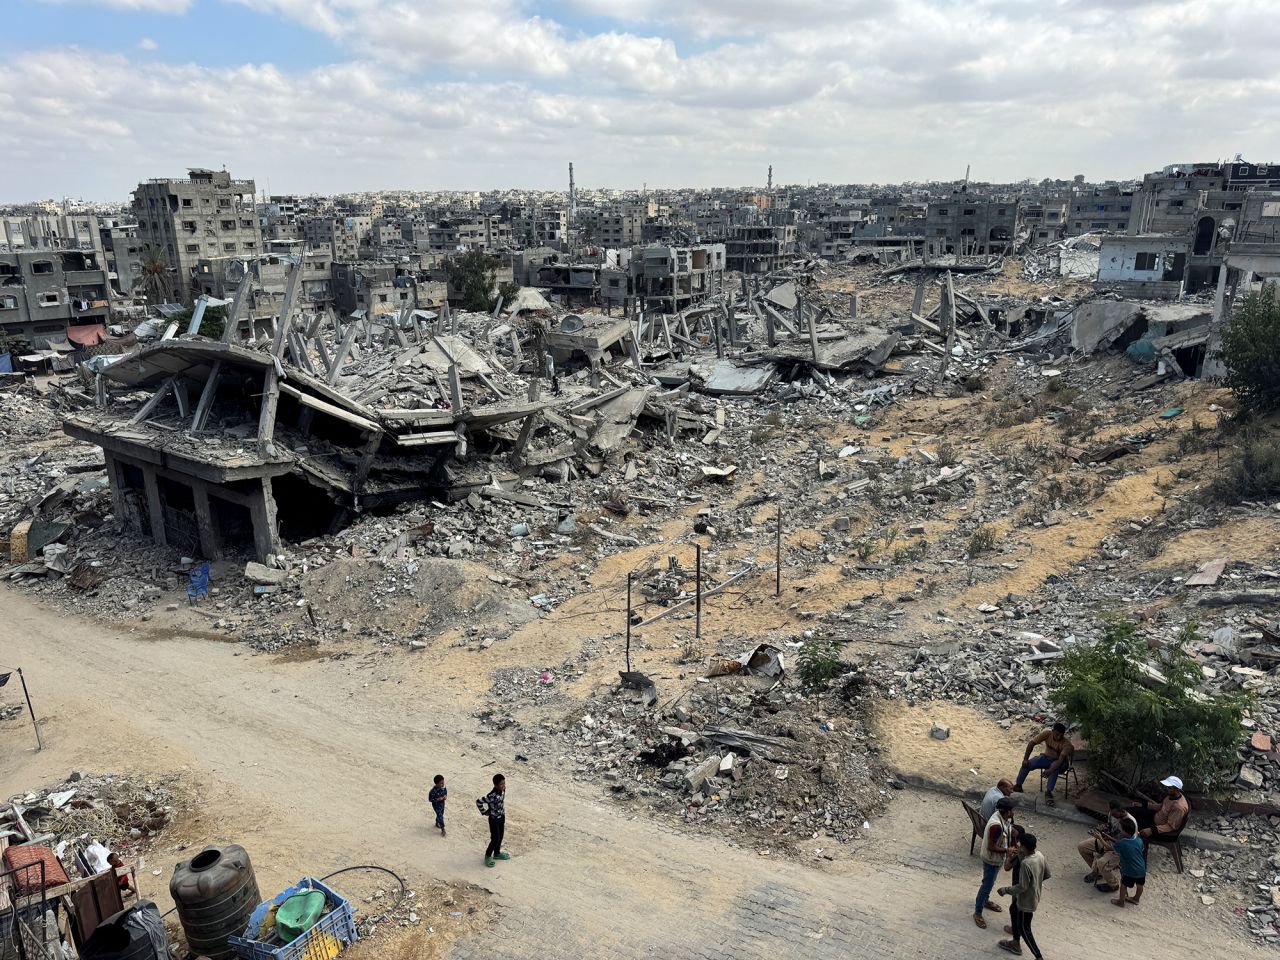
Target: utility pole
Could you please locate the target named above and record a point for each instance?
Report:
(573, 209)
(697, 623)
(31, 710)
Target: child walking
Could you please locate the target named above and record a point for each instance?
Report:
(437, 797)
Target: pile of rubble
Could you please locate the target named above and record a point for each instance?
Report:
(119, 812)
(745, 752)
(1247, 872)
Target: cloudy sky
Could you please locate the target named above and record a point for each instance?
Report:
(332, 95)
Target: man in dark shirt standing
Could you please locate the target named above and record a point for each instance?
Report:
(492, 805)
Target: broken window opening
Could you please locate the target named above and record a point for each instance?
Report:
(303, 510)
(178, 506)
(1191, 359)
(232, 523)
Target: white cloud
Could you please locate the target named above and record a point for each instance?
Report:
(480, 93)
(146, 43)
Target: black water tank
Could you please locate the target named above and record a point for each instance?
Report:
(215, 892)
(125, 936)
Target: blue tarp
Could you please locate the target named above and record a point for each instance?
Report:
(6, 363)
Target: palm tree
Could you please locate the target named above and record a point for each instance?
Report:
(157, 283)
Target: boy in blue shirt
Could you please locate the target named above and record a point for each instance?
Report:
(1133, 864)
(437, 797)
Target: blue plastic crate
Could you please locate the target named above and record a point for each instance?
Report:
(339, 924)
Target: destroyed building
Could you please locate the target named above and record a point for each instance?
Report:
(759, 248)
(665, 278)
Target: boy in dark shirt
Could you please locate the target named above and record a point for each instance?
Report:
(437, 797)
(493, 806)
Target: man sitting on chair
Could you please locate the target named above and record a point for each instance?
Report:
(1056, 758)
(1099, 851)
(1167, 820)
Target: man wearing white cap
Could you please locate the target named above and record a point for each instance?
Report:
(1167, 820)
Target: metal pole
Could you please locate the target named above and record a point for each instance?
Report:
(31, 710)
(697, 622)
(777, 558)
(629, 623)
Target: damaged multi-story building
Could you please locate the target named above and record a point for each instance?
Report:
(50, 296)
(207, 215)
(760, 247)
(969, 223)
(663, 278)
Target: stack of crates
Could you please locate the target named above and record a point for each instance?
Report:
(332, 933)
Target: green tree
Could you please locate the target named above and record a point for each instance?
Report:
(507, 291)
(211, 324)
(1251, 352)
(474, 273)
(157, 281)
(1142, 710)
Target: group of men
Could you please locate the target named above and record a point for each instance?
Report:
(1115, 852)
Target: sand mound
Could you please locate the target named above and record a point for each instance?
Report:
(424, 598)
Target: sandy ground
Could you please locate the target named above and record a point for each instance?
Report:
(322, 763)
(977, 743)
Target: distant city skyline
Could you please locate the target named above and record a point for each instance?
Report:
(333, 96)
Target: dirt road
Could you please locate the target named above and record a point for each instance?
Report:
(316, 765)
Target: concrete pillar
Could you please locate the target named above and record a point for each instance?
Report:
(262, 508)
(204, 521)
(117, 491)
(1220, 296)
(155, 508)
(853, 306)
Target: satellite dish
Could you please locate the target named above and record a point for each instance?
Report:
(570, 323)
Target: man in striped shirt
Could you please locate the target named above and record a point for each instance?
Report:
(492, 805)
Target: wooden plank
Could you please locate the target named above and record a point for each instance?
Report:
(437, 438)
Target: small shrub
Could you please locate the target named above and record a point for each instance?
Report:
(947, 456)
(1074, 422)
(1250, 471)
(983, 540)
(864, 548)
(819, 663)
(1060, 393)
(1194, 439)
(974, 383)
(890, 534)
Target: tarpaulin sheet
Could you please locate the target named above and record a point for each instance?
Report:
(86, 334)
